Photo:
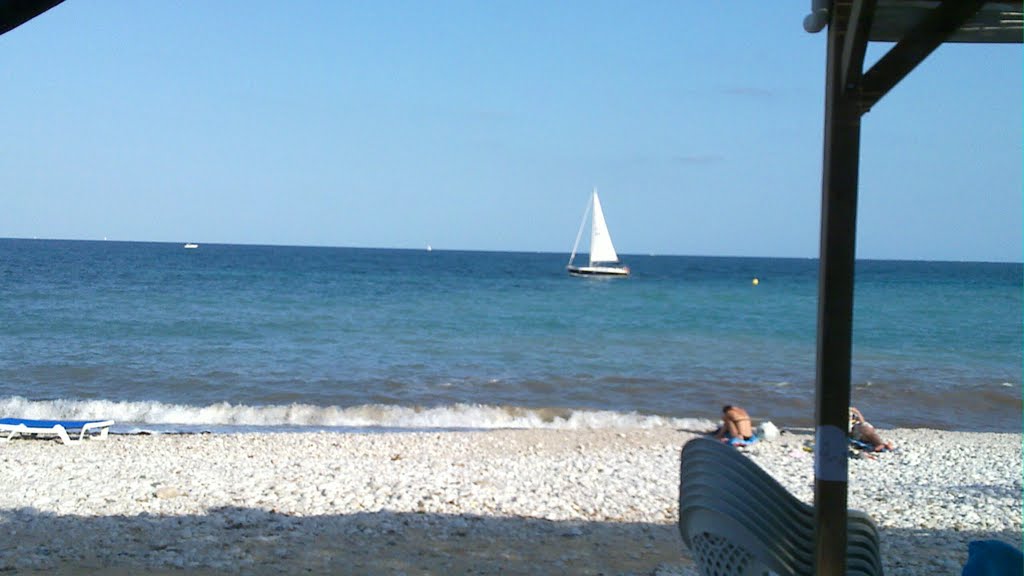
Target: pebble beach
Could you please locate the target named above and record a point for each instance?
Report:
(491, 502)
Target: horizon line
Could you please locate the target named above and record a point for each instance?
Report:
(429, 247)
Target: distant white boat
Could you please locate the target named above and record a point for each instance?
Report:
(429, 248)
(191, 245)
(603, 259)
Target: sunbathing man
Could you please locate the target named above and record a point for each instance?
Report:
(736, 428)
(862, 431)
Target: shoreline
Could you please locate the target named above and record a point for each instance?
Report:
(1002, 415)
(497, 501)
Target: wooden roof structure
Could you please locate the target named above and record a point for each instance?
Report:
(917, 28)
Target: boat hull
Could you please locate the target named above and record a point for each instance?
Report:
(618, 271)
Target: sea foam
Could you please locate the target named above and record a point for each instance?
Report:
(226, 416)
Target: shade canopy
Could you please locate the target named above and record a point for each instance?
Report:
(893, 20)
(998, 22)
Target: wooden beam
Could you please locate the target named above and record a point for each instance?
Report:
(855, 45)
(932, 31)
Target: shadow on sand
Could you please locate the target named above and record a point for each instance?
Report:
(233, 540)
(253, 541)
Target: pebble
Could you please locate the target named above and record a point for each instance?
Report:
(323, 502)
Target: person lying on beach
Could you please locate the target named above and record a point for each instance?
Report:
(736, 428)
(862, 431)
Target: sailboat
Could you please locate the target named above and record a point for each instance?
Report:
(603, 259)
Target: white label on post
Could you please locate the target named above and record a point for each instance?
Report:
(830, 454)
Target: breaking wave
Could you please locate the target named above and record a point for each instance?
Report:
(226, 417)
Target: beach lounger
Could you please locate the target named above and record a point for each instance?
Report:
(63, 429)
(737, 519)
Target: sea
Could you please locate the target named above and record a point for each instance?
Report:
(243, 338)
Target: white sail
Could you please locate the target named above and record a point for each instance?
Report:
(601, 248)
(603, 259)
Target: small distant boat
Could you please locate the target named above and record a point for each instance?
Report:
(603, 259)
(430, 248)
(191, 245)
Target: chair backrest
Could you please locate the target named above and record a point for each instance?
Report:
(738, 520)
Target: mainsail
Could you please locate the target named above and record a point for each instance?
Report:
(601, 248)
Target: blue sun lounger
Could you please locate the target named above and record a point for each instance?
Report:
(64, 429)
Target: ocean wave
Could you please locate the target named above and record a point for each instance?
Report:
(226, 416)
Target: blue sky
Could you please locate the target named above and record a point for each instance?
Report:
(484, 125)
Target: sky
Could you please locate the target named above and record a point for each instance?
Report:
(485, 125)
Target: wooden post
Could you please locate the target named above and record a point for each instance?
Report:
(835, 300)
